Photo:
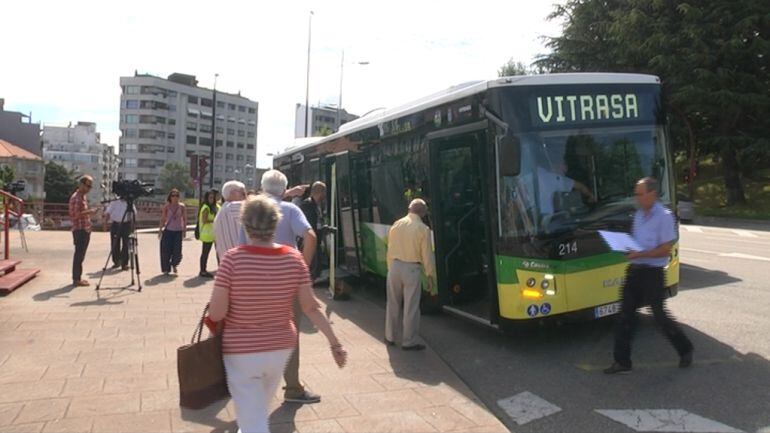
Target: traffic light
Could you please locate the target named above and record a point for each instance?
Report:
(202, 167)
(194, 166)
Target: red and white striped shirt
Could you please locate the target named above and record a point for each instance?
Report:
(262, 285)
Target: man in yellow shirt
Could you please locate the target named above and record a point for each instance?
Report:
(409, 248)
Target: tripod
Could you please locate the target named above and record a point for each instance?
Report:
(133, 247)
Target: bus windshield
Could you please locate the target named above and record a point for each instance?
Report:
(568, 179)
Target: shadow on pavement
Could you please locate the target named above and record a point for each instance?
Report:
(197, 281)
(44, 296)
(101, 300)
(209, 416)
(282, 418)
(694, 277)
(159, 279)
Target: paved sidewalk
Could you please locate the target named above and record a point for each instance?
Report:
(74, 360)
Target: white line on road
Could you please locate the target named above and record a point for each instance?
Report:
(694, 229)
(745, 234)
(665, 420)
(732, 255)
(526, 407)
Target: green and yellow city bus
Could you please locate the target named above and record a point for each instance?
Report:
(519, 173)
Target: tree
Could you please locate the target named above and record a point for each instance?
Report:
(59, 183)
(711, 56)
(7, 175)
(512, 68)
(176, 175)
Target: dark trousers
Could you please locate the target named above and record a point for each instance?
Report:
(80, 238)
(293, 386)
(205, 255)
(645, 285)
(170, 249)
(119, 233)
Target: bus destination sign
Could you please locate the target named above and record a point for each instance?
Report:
(576, 109)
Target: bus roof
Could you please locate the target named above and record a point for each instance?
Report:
(460, 91)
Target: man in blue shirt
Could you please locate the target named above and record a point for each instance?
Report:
(655, 232)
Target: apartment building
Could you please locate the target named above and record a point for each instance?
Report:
(172, 119)
(79, 148)
(323, 120)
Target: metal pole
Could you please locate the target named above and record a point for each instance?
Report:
(213, 138)
(339, 101)
(307, 78)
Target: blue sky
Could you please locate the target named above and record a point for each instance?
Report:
(67, 56)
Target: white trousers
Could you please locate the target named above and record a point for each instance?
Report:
(253, 379)
(404, 287)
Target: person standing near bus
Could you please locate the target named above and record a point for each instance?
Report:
(409, 248)
(654, 231)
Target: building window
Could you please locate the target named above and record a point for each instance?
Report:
(129, 162)
(218, 143)
(132, 118)
(192, 99)
(230, 144)
(239, 157)
(218, 155)
(230, 131)
(250, 134)
(249, 158)
(231, 106)
(229, 157)
(130, 147)
(172, 121)
(252, 111)
(206, 102)
(192, 126)
(240, 145)
(220, 130)
(171, 107)
(132, 90)
(191, 139)
(204, 127)
(231, 119)
(241, 108)
(220, 104)
(132, 104)
(171, 93)
(229, 169)
(170, 149)
(203, 141)
(241, 133)
(129, 133)
(217, 167)
(250, 146)
(171, 136)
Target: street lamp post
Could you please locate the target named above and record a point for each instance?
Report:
(339, 101)
(307, 77)
(213, 134)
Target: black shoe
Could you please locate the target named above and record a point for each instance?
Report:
(115, 266)
(414, 347)
(686, 359)
(617, 368)
(125, 267)
(389, 343)
(205, 274)
(304, 398)
(174, 269)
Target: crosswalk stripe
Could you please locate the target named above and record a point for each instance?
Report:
(526, 407)
(745, 233)
(666, 420)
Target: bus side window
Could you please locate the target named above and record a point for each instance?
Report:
(510, 156)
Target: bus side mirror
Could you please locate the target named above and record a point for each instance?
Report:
(509, 151)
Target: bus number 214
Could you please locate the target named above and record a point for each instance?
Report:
(567, 248)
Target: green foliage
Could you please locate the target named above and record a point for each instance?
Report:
(512, 68)
(711, 55)
(176, 175)
(59, 183)
(6, 175)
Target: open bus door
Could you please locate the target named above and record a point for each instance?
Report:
(460, 222)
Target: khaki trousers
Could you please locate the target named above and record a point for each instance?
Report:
(403, 287)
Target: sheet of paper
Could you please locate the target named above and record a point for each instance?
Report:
(619, 241)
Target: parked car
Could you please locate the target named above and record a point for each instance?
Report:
(685, 208)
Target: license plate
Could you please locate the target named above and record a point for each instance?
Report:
(607, 310)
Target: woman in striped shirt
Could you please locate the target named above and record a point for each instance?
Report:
(254, 290)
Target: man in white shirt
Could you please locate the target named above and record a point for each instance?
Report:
(227, 223)
(120, 229)
(552, 182)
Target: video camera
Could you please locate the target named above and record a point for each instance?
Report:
(131, 189)
(15, 187)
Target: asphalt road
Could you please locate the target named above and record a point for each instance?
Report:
(723, 306)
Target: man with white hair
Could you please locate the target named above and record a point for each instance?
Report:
(409, 248)
(292, 225)
(227, 223)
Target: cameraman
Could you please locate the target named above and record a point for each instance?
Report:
(120, 229)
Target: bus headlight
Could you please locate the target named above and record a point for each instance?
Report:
(531, 282)
(548, 285)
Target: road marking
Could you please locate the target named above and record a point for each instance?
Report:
(732, 255)
(693, 229)
(664, 364)
(745, 233)
(666, 420)
(526, 407)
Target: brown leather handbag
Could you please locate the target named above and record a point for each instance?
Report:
(201, 370)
